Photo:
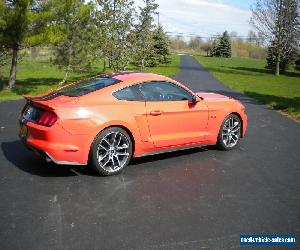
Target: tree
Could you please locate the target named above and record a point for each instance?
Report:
(3, 51)
(20, 23)
(252, 37)
(278, 21)
(177, 43)
(207, 46)
(161, 46)
(214, 51)
(195, 43)
(115, 22)
(285, 60)
(297, 62)
(144, 42)
(224, 48)
(73, 34)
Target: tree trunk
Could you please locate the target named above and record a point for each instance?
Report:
(66, 75)
(142, 64)
(277, 70)
(104, 65)
(13, 69)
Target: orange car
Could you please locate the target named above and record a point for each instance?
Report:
(108, 119)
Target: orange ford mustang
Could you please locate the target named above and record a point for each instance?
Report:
(106, 120)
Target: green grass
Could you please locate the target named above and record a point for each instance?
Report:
(251, 78)
(38, 77)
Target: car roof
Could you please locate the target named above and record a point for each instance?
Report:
(132, 77)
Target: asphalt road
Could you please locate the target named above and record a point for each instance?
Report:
(198, 198)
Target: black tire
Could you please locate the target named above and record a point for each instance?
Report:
(108, 157)
(226, 141)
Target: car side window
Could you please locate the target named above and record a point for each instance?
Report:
(164, 91)
(130, 93)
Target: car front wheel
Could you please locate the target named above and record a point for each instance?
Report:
(230, 132)
(111, 151)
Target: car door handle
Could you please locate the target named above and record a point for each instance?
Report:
(155, 112)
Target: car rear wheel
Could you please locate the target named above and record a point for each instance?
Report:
(230, 132)
(111, 151)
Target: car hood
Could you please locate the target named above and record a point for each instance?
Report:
(212, 96)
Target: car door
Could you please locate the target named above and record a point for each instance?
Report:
(173, 119)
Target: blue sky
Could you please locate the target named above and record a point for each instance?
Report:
(241, 4)
(205, 17)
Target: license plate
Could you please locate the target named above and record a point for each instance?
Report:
(23, 131)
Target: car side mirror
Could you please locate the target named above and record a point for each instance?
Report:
(196, 99)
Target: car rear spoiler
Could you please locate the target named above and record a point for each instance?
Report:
(39, 101)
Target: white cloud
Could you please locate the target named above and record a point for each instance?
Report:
(203, 17)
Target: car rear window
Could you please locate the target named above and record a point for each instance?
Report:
(87, 86)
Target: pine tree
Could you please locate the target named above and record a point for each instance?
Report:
(214, 48)
(73, 34)
(224, 48)
(115, 23)
(144, 42)
(161, 49)
(21, 25)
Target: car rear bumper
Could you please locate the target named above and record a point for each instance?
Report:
(57, 145)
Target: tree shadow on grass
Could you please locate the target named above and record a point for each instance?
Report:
(249, 71)
(28, 85)
(231, 70)
(290, 105)
(264, 71)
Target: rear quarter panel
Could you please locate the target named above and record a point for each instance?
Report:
(93, 113)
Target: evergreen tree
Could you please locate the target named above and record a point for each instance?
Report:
(144, 42)
(224, 47)
(161, 50)
(73, 34)
(115, 22)
(20, 26)
(214, 48)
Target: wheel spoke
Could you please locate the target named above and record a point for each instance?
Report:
(105, 148)
(119, 141)
(119, 164)
(123, 154)
(236, 128)
(104, 164)
(114, 136)
(107, 142)
(124, 146)
(101, 158)
(113, 162)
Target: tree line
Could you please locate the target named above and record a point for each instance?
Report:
(81, 32)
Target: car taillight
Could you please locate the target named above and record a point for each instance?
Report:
(47, 118)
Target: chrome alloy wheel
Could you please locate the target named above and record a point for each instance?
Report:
(231, 131)
(113, 151)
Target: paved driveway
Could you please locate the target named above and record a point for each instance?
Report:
(182, 200)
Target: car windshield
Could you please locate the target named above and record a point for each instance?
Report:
(87, 86)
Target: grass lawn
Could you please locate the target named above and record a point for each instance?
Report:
(251, 78)
(37, 77)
